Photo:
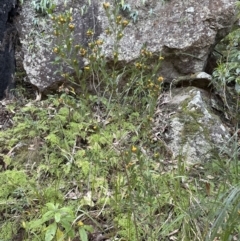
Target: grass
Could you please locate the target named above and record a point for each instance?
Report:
(109, 177)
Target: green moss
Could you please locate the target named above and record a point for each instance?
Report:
(8, 229)
(191, 122)
(10, 181)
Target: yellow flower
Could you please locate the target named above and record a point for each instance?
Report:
(71, 26)
(99, 42)
(82, 52)
(160, 79)
(161, 58)
(89, 33)
(134, 149)
(62, 20)
(87, 68)
(64, 75)
(118, 19)
(55, 50)
(80, 223)
(119, 36)
(125, 23)
(108, 31)
(106, 5)
(91, 45)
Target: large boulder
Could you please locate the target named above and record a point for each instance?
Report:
(186, 121)
(185, 32)
(8, 36)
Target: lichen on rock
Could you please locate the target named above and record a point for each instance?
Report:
(195, 133)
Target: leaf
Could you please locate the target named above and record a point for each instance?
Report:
(88, 228)
(237, 87)
(83, 234)
(51, 206)
(36, 223)
(57, 217)
(51, 231)
(59, 235)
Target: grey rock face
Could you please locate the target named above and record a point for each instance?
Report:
(192, 130)
(8, 34)
(182, 31)
(38, 40)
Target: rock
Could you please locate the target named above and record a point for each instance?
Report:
(188, 125)
(8, 36)
(201, 80)
(38, 41)
(184, 32)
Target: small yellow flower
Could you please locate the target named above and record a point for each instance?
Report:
(108, 31)
(134, 149)
(160, 79)
(125, 23)
(106, 5)
(82, 52)
(120, 35)
(87, 68)
(62, 20)
(65, 75)
(151, 84)
(99, 42)
(89, 33)
(71, 26)
(70, 19)
(80, 223)
(118, 19)
(91, 45)
(161, 58)
(55, 50)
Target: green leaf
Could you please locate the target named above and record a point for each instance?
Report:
(59, 235)
(51, 231)
(57, 217)
(83, 234)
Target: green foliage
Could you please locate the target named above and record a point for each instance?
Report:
(84, 161)
(228, 69)
(59, 228)
(11, 181)
(42, 6)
